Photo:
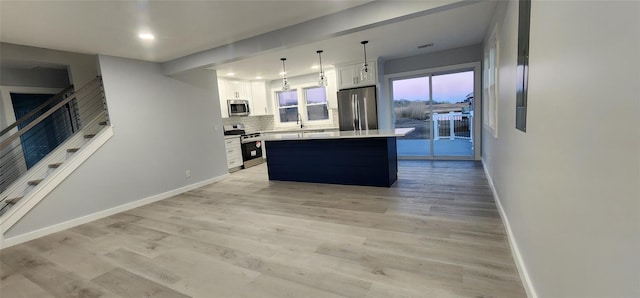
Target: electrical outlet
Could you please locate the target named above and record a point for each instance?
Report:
(187, 173)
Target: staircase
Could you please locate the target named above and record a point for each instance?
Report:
(75, 122)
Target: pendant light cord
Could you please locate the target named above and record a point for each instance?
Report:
(285, 84)
(364, 46)
(284, 70)
(320, 56)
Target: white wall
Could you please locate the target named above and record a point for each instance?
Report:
(472, 53)
(39, 77)
(385, 101)
(162, 127)
(82, 68)
(570, 185)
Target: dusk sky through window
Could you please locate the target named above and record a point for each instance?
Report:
(446, 88)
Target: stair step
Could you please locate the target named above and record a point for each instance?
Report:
(35, 182)
(89, 136)
(13, 200)
(73, 150)
(103, 123)
(55, 165)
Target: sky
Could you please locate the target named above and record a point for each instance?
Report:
(446, 88)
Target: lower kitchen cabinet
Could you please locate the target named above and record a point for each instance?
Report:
(234, 152)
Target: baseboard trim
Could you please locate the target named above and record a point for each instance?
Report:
(8, 242)
(515, 251)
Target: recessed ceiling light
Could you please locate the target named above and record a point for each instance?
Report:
(146, 36)
(315, 67)
(231, 74)
(258, 78)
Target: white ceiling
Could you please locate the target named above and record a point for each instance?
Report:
(180, 27)
(187, 27)
(447, 29)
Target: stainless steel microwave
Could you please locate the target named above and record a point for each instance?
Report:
(238, 107)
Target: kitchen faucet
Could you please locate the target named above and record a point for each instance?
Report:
(299, 120)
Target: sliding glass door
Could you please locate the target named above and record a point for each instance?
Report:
(452, 114)
(411, 98)
(441, 109)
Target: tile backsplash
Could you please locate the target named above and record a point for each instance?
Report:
(334, 114)
(252, 123)
(262, 123)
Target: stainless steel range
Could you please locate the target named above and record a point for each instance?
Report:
(251, 144)
(251, 149)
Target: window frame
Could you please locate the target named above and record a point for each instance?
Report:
(297, 106)
(490, 83)
(302, 108)
(307, 104)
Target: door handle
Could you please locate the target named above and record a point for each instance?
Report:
(357, 123)
(359, 112)
(366, 120)
(353, 111)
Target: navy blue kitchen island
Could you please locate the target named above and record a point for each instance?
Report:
(341, 157)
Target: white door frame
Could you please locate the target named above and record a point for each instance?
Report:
(477, 105)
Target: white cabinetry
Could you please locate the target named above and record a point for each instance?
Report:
(222, 94)
(349, 75)
(232, 89)
(236, 89)
(253, 91)
(259, 104)
(234, 152)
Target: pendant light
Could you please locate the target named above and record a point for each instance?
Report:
(322, 82)
(364, 71)
(285, 83)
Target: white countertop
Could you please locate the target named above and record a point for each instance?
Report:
(350, 134)
(296, 130)
(231, 137)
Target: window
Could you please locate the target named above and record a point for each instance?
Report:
(288, 105)
(491, 83)
(308, 102)
(316, 103)
(523, 64)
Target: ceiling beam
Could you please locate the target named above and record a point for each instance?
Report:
(366, 16)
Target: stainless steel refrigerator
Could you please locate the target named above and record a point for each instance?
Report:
(358, 108)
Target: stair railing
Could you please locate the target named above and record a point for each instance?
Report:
(51, 123)
(53, 100)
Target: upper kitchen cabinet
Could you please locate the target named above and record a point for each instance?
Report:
(222, 94)
(349, 75)
(236, 89)
(258, 101)
(255, 92)
(232, 89)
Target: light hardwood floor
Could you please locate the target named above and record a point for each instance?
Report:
(435, 233)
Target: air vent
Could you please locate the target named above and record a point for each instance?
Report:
(425, 45)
